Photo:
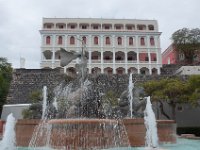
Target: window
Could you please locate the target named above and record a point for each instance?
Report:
(72, 40)
(84, 27)
(142, 42)
(129, 27)
(72, 26)
(107, 58)
(130, 41)
(60, 26)
(119, 41)
(48, 40)
(107, 41)
(60, 40)
(48, 26)
(96, 40)
(119, 58)
(84, 39)
(118, 27)
(140, 27)
(94, 57)
(130, 58)
(95, 27)
(107, 27)
(146, 58)
(152, 42)
(151, 27)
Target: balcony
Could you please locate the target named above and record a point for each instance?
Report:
(96, 61)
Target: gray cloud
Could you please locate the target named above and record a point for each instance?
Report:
(21, 20)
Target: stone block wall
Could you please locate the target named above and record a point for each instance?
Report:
(27, 80)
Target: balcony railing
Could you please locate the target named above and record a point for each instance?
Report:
(119, 61)
(132, 61)
(108, 61)
(96, 61)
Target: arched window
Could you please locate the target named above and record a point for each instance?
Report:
(60, 40)
(151, 27)
(48, 40)
(107, 41)
(72, 40)
(152, 42)
(96, 40)
(142, 42)
(130, 41)
(119, 41)
(84, 39)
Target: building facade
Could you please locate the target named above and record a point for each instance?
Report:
(114, 45)
(172, 56)
(169, 56)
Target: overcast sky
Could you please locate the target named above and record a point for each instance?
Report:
(21, 20)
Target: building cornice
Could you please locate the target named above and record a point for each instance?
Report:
(72, 32)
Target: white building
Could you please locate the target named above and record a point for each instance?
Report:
(188, 70)
(113, 45)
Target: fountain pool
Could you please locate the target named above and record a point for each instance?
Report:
(182, 144)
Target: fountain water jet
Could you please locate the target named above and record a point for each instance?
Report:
(43, 129)
(130, 92)
(44, 105)
(9, 141)
(151, 127)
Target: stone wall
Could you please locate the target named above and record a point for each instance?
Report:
(26, 81)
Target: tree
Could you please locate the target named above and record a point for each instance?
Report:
(194, 89)
(5, 79)
(171, 91)
(187, 42)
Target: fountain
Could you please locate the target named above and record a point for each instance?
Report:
(130, 90)
(81, 121)
(151, 127)
(8, 142)
(79, 124)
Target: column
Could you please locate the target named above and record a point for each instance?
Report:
(113, 50)
(90, 70)
(158, 68)
(65, 41)
(42, 49)
(136, 45)
(137, 49)
(102, 71)
(53, 56)
(125, 47)
(126, 68)
(114, 67)
(138, 69)
(90, 57)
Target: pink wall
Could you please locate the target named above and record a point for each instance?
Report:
(169, 54)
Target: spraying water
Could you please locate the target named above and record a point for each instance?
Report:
(9, 140)
(55, 103)
(150, 123)
(44, 105)
(130, 88)
(43, 129)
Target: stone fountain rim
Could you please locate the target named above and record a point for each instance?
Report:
(81, 121)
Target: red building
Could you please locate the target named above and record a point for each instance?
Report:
(169, 56)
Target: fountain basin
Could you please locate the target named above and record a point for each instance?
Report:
(88, 133)
(135, 129)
